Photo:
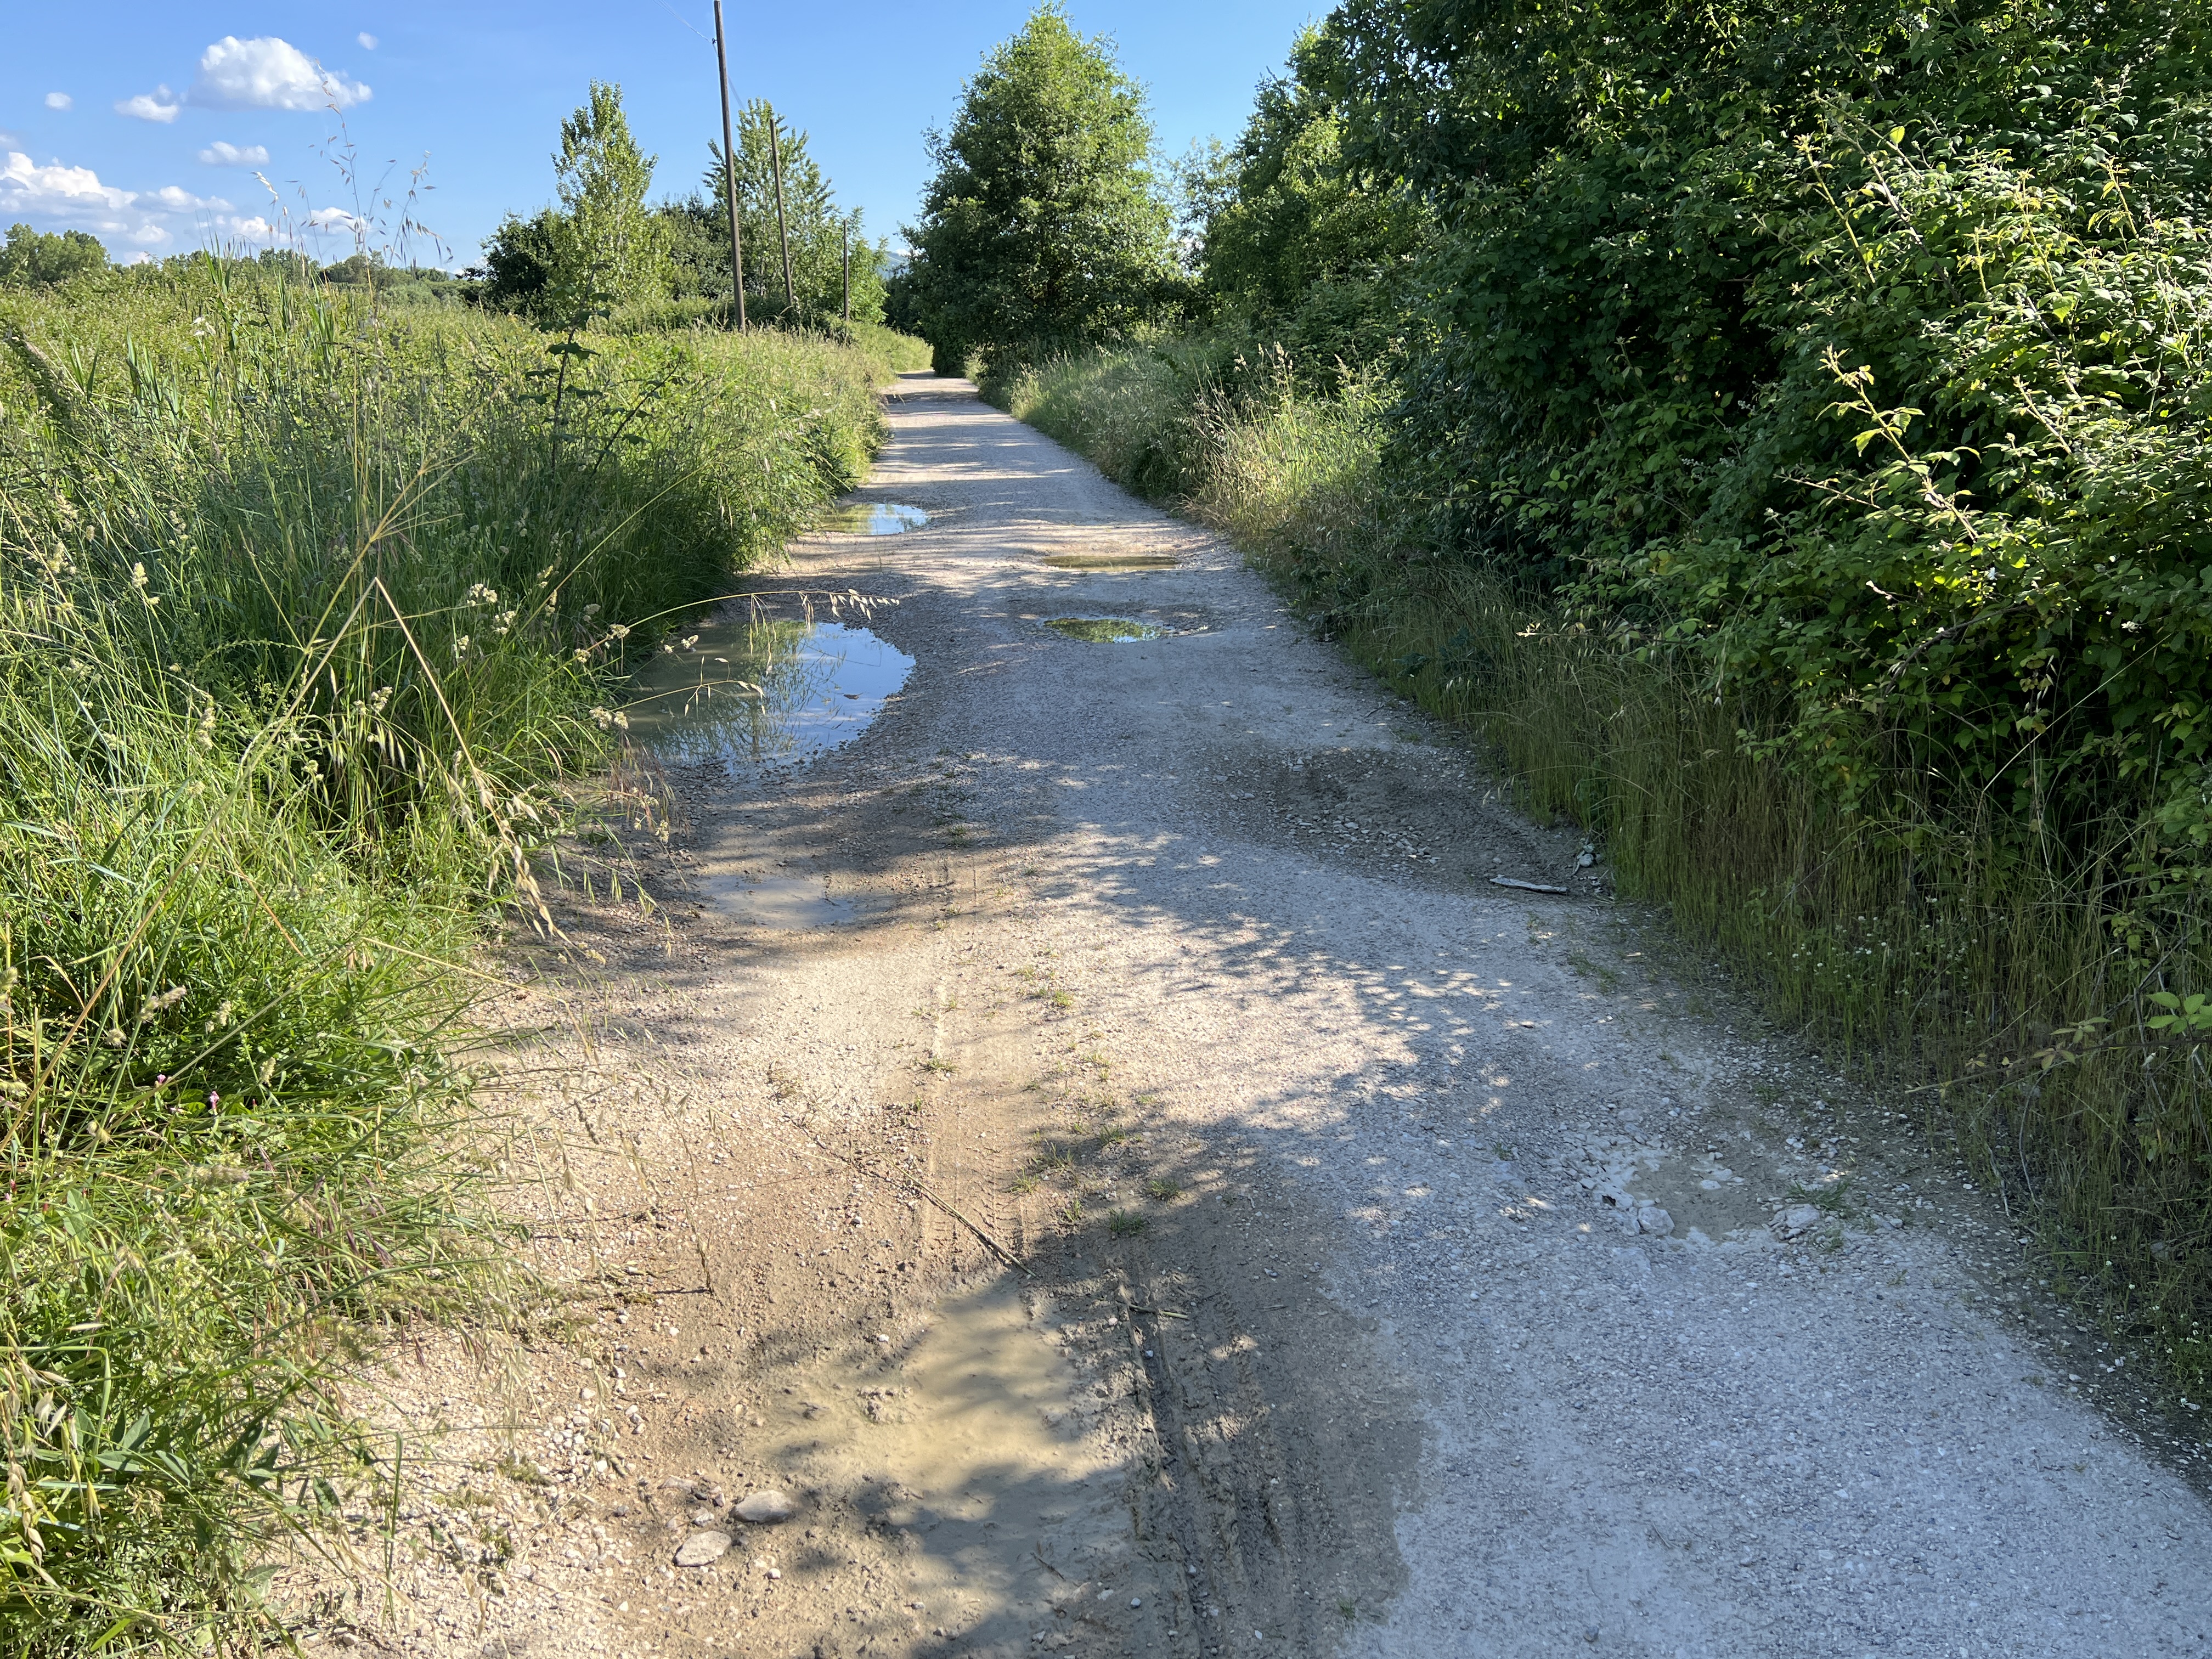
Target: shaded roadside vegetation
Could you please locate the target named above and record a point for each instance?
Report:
(1783, 437)
(310, 612)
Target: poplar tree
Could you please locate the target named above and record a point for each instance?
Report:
(818, 228)
(604, 236)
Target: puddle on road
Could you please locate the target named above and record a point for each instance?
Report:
(1705, 1202)
(874, 518)
(966, 1451)
(760, 693)
(1110, 562)
(777, 900)
(1102, 631)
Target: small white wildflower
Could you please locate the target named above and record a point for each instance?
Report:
(617, 631)
(461, 646)
(602, 718)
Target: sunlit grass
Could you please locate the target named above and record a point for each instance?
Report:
(305, 639)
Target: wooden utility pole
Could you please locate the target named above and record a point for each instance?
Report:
(782, 230)
(730, 177)
(845, 237)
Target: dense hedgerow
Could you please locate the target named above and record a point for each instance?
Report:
(306, 614)
(1856, 359)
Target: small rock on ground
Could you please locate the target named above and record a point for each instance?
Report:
(701, 1547)
(764, 1507)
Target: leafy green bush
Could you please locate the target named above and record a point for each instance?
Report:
(1045, 226)
(1861, 367)
(305, 616)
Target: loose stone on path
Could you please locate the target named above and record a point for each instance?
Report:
(764, 1508)
(701, 1548)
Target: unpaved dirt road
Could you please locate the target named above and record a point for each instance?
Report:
(1172, 969)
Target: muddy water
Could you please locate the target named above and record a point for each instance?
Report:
(874, 518)
(762, 693)
(965, 1451)
(1110, 562)
(1102, 631)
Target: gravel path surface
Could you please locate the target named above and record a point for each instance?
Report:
(1404, 1268)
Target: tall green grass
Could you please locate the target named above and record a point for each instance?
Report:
(2028, 1005)
(308, 624)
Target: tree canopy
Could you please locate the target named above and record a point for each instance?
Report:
(602, 248)
(1292, 233)
(1045, 223)
(40, 258)
(699, 231)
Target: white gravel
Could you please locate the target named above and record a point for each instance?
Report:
(1690, 1439)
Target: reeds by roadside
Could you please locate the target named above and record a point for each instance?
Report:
(2026, 1005)
(308, 618)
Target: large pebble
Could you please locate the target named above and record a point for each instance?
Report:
(1651, 1218)
(763, 1507)
(701, 1547)
(1797, 1218)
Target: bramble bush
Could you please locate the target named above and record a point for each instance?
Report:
(1860, 366)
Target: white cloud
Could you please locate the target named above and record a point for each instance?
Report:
(267, 73)
(57, 191)
(221, 155)
(176, 199)
(159, 105)
(60, 101)
(367, 40)
(64, 197)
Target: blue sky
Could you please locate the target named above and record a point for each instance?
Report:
(146, 124)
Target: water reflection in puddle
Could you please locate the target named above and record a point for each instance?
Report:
(1110, 562)
(762, 693)
(1102, 631)
(777, 900)
(874, 518)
